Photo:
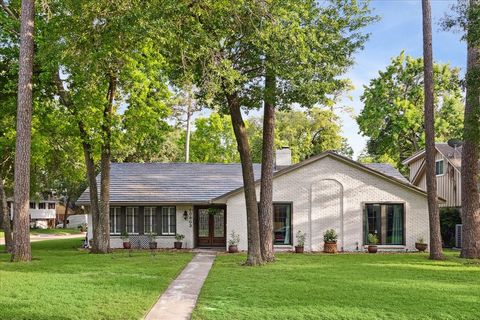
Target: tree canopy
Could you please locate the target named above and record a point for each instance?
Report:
(392, 117)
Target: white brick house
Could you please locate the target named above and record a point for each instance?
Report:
(325, 191)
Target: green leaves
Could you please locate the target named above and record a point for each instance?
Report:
(393, 114)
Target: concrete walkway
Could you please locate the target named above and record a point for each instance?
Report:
(178, 301)
(42, 237)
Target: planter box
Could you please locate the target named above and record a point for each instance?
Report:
(127, 245)
(299, 249)
(421, 246)
(232, 249)
(372, 249)
(330, 247)
(177, 245)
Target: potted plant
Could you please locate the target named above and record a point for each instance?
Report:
(233, 242)
(301, 236)
(420, 245)
(126, 240)
(330, 240)
(152, 243)
(372, 243)
(178, 244)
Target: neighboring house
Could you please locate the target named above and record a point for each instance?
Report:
(205, 202)
(42, 213)
(448, 165)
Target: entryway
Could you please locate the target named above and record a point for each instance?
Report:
(210, 226)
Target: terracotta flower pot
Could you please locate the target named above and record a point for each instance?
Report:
(127, 245)
(372, 249)
(299, 249)
(421, 246)
(152, 245)
(330, 247)
(233, 249)
(177, 245)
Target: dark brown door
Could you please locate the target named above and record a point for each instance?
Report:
(211, 226)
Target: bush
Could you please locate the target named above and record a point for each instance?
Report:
(179, 237)
(372, 239)
(301, 236)
(330, 236)
(234, 239)
(449, 217)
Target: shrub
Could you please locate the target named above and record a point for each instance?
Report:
(301, 236)
(330, 236)
(124, 236)
(372, 239)
(151, 236)
(179, 237)
(234, 239)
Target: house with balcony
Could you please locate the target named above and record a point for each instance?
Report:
(42, 213)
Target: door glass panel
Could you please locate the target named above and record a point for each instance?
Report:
(203, 230)
(219, 219)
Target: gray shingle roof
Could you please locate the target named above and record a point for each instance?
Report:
(387, 169)
(171, 182)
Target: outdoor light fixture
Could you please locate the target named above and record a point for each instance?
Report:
(185, 215)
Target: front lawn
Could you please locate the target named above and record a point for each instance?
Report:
(63, 282)
(59, 231)
(343, 286)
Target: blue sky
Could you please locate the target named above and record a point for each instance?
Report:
(400, 28)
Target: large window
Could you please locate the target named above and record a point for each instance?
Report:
(33, 205)
(386, 222)
(439, 167)
(150, 220)
(51, 205)
(132, 220)
(42, 205)
(282, 223)
(169, 221)
(114, 220)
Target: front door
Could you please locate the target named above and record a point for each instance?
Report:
(210, 226)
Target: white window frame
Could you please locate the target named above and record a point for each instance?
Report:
(116, 220)
(151, 214)
(169, 232)
(443, 168)
(135, 215)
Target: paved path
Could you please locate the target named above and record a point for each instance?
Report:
(42, 237)
(178, 301)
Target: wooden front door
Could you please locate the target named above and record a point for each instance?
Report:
(210, 226)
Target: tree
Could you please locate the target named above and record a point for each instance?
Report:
(392, 117)
(21, 220)
(213, 140)
(430, 150)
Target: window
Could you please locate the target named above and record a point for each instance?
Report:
(439, 167)
(33, 205)
(114, 220)
(42, 205)
(282, 223)
(132, 220)
(150, 220)
(169, 221)
(51, 206)
(386, 222)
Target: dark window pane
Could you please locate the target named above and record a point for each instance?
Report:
(372, 221)
(51, 206)
(42, 205)
(394, 224)
(282, 223)
(33, 205)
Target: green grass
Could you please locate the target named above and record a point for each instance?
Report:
(343, 286)
(63, 282)
(59, 232)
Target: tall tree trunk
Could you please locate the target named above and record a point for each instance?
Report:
(434, 217)
(87, 150)
(268, 154)
(187, 139)
(101, 234)
(254, 256)
(65, 215)
(7, 226)
(21, 236)
(471, 134)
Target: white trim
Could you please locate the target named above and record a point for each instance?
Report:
(116, 220)
(134, 214)
(443, 167)
(169, 215)
(152, 215)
